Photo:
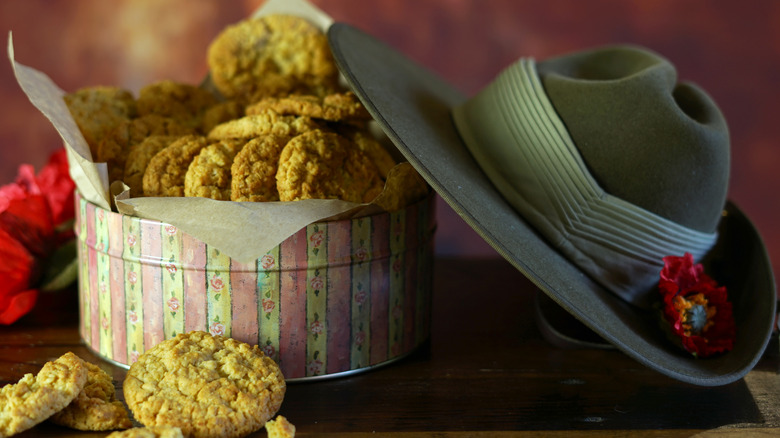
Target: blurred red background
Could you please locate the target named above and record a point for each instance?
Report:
(731, 49)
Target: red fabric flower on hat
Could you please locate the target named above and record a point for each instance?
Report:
(36, 235)
(695, 306)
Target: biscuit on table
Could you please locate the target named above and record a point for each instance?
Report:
(184, 103)
(99, 110)
(148, 432)
(325, 165)
(254, 169)
(274, 54)
(36, 397)
(337, 107)
(209, 173)
(279, 427)
(96, 407)
(165, 173)
(263, 123)
(209, 386)
(114, 148)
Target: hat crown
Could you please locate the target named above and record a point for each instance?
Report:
(656, 143)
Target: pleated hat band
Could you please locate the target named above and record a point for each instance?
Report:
(514, 133)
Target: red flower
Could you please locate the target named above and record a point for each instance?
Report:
(36, 214)
(696, 307)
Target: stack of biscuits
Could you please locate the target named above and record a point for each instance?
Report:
(277, 127)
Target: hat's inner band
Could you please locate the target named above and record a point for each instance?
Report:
(517, 138)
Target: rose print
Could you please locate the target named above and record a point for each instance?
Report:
(132, 277)
(316, 239)
(173, 304)
(100, 215)
(361, 254)
(268, 305)
(171, 268)
(131, 239)
(360, 297)
(216, 283)
(269, 350)
(170, 230)
(103, 288)
(316, 327)
(132, 316)
(316, 283)
(315, 367)
(104, 323)
(217, 329)
(267, 261)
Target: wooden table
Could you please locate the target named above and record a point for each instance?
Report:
(485, 372)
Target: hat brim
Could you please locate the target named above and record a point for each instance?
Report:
(412, 105)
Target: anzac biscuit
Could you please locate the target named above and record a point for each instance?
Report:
(325, 165)
(221, 113)
(279, 427)
(138, 158)
(182, 102)
(96, 406)
(404, 186)
(264, 123)
(148, 432)
(35, 398)
(371, 147)
(209, 173)
(339, 107)
(209, 386)
(283, 48)
(164, 175)
(114, 148)
(99, 110)
(254, 169)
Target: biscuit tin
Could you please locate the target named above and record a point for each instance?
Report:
(334, 298)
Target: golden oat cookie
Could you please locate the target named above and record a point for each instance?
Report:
(165, 173)
(36, 397)
(264, 123)
(114, 148)
(209, 173)
(371, 147)
(333, 107)
(148, 432)
(254, 169)
(283, 50)
(96, 407)
(325, 165)
(403, 187)
(221, 113)
(209, 386)
(99, 110)
(138, 158)
(279, 427)
(184, 103)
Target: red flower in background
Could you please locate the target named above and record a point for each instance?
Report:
(36, 235)
(696, 307)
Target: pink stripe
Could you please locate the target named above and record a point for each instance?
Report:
(193, 257)
(151, 252)
(292, 306)
(94, 290)
(339, 297)
(117, 287)
(380, 288)
(243, 291)
(412, 277)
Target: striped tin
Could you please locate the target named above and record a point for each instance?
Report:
(334, 298)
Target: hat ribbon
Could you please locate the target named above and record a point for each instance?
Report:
(520, 142)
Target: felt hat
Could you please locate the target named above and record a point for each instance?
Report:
(583, 172)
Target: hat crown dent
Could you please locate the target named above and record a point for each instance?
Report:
(647, 139)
